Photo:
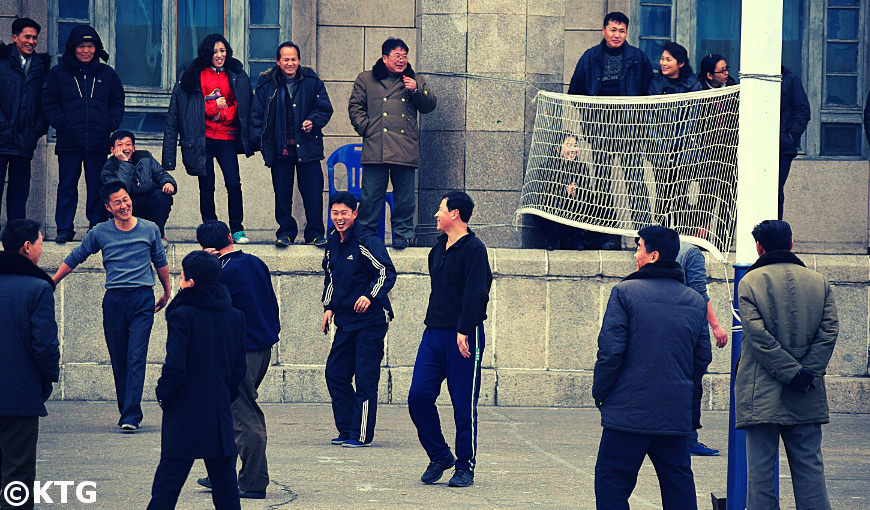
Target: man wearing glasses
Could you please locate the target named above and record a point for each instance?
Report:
(383, 110)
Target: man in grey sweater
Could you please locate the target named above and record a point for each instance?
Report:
(129, 246)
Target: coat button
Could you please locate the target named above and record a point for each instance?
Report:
(403, 131)
(294, 105)
(385, 114)
(403, 115)
(385, 130)
(385, 100)
(425, 92)
(403, 99)
(297, 145)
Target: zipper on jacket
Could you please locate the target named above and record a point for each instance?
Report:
(266, 123)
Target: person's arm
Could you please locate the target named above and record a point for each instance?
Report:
(170, 131)
(174, 371)
(326, 297)
(51, 102)
(79, 254)
(357, 107)
(612, 343)
(161, 176)
(696, 278)
(719, 332)
(61, 273)
(107, 174)
(163, 274)
(475, 295)
(767, 349)
(703, 354)
(800, 114)
(44, 342)
(423, 97)
(375, 255)
(258, 115)
(577, 85)
(817, 358)
(321, 111)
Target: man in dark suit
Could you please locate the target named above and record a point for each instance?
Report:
(205, 362)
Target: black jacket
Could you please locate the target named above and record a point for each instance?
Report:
(141, 175)
(359, 266)
(311, 102)
(686, 82)
(186, 117)
(29, 349)
(461, 280)
(867, 117)
(636, 72)
(205, 363)
(705, 83)
(21, 120)
(653, 339)
(84, 103)
(794, 113)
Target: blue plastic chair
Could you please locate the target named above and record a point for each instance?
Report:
(349, 156)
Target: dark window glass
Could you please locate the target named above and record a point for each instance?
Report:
(144, 122)
(653, 50)
(841, 90)
(73, 9)
(843, 24)
(138, 26)
(719, 32)
(63, 30)
(655, 21)
(263, 43)
(842, 3)
(841, 57)
(264, 12)
(792, 35)
(840, 139)
(196, 19)
(255, 68)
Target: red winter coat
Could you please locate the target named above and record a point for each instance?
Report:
(214, 85)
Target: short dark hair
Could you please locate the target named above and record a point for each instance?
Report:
(680, 54)
(120, 135)
(17, 232)
(20, 24)
(202, 267)
(616, 17)
(461, 201)
(391, 44)
(109, 189)
(664, 240)
(708, 64)
(205, 51)
(213, 234)
(343, 197)
(288, 44)
(773, 235)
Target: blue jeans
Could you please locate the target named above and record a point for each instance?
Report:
(128, 315)
(225, 153)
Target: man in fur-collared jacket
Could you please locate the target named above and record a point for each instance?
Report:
(383, 110)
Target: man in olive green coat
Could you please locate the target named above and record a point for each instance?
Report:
(383, 110)
(789, 330)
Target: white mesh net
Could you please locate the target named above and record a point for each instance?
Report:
(618, 164)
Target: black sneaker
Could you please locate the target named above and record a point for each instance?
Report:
(320, 242)
(64, 238)
(437, 468)
(205, 482)
(338, 441)
(252, 494)
(400, 243)
(461, 478)
(283, 241)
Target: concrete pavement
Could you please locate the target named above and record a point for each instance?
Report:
(528, 458)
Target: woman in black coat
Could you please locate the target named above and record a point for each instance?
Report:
(205, 363)
(210, 109)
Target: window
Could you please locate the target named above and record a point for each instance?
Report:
(151, 41)
(830, 34)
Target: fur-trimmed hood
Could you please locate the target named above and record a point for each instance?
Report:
(190, 75)
(215, 296)
(661, 269)
(16, 263)
(380, 71)
(777, 257)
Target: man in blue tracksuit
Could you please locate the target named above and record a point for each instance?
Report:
(453, 342)
(359, 275)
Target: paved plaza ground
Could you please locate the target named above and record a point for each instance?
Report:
(528, 458)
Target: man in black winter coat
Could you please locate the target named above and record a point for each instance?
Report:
(30, 352)
(290, 110)
(205, 362)
(83, 100)
(22, 74)
(794, 115)
(653, 338)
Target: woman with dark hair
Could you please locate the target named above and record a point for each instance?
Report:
(713, 72)
(565, 173)
(210, 110)
(676, 73)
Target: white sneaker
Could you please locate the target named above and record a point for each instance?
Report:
(240, 237)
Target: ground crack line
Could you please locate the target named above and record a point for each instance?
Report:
(286, 488)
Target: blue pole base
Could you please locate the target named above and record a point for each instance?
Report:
(736, 495)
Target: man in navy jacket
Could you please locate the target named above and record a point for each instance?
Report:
(453, 342)
(653, 339)
(794, 115)
(22, 74)
(29, 347)
(290, 110)
(359, 276)
(83, 100)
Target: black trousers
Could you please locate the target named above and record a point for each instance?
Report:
(225, 153)
(18, 171)
(69, 168)
(310, 183)
(784, 169)
(249, 424)
(18, 435)
(355, 355)
(172, 473)
(620, 456)
(154, 206)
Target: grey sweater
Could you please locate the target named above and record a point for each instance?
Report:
(127, 256)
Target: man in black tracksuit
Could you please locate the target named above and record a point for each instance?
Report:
(453, 342)
(359, 275)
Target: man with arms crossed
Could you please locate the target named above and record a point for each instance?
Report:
(129, 246)
(452, 343)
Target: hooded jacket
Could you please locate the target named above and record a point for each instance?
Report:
(384, 113)
(29, 349)
(789, 322)
(84, 102)
(794, 113)
(636, 72)
(186, 117)
(141, 175)
(311, 102)
(21, 120)
(205, 363)
(653, 339)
